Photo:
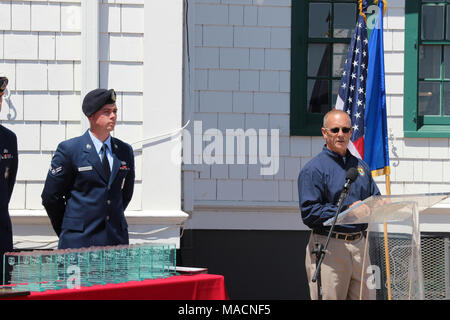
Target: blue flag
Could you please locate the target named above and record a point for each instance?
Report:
(376, 151)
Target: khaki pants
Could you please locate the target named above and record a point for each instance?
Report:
(341, 269)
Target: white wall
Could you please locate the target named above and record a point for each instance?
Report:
(240, 64)
(121, 67)
(41, 51)
(41, 54)
(242, 74)
(241, 53)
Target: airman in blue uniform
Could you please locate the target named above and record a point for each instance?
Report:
(8, 171)
(91, 180)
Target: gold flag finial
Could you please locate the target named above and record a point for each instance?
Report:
(384, 5)
(361, 12)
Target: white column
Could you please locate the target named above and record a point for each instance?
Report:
(163, 97)
(90, 51)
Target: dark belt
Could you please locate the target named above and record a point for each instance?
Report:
(341, 236)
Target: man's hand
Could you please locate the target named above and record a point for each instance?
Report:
(354, 203)
(361, 211)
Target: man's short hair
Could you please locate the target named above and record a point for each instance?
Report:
(332, 111)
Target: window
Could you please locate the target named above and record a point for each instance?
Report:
(427, 69)
(321, 34)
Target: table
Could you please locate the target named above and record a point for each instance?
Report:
(182, 287)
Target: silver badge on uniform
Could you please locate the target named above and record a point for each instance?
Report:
(6, 172)
(88, 146)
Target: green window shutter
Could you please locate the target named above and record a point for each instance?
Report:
(433, 121)
(302, 121)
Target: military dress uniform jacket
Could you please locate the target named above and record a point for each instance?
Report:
(8, 171)
(85, 208)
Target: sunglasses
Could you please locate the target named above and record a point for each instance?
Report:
(336, 130)
(3, 83)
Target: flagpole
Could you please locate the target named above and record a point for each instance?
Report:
(386, 246)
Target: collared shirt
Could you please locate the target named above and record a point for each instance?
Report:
(320, 184)
(98, 147)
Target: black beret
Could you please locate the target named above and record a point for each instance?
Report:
(96, 99)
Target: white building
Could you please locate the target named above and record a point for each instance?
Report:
(208, 66)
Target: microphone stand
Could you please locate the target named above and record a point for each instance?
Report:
(320, 250)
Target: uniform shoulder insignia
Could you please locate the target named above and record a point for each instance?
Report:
(55, 171)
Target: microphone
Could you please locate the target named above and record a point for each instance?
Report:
(350, 177)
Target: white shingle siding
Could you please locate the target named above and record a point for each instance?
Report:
(40, 51)
(242, 72)
(121, 68)
(40, 48)
(255, 44)
(241, 79)
(418, 165)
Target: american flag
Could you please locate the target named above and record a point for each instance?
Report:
(352, 91)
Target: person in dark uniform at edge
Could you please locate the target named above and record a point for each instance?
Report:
(8, 172)
(319, 186)
(91, 180)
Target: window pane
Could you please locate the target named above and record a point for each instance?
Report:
(429, 61)
(432, 22)
(344, 19)
(447, 31)
(318, 96)
(429, 98)
(446, 106)
(319, 20)
(339, 55)
(318, 60)
(447, 62)
(335, 91)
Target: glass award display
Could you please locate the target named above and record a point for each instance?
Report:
(95, 273)
(393, 267)
(75, 268)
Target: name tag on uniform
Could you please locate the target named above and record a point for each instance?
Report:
(81, 169)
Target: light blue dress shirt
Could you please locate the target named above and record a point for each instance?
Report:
(98, 147)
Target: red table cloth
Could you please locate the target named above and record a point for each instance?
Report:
(185, 287)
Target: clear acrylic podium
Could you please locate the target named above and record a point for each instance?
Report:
(395, 266)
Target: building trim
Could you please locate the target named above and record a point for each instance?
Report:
(90, 54)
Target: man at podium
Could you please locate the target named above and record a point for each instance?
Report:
(320, 183)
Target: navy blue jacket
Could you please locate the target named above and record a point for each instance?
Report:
(8, 172)
(320, 184)
(84, 208)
